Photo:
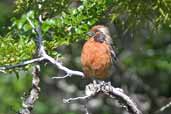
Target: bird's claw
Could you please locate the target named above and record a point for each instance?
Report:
(91, 89)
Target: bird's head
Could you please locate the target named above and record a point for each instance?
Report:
(100, 33)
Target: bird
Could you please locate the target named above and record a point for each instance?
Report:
(98, 55)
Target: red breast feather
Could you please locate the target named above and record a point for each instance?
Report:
(96, 59)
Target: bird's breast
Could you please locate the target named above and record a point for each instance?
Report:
(96, 59)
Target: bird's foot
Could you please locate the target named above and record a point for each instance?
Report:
(92, 88)
(107, 87)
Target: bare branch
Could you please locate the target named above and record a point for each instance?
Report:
(28, 102)
(61, 67)
(106, 88)
(22, 63)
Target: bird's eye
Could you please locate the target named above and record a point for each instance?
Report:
(100, 37)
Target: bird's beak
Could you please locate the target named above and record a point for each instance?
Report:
(90, 33)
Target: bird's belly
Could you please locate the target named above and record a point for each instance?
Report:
(96, 60)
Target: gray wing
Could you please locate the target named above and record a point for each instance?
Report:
(112, 51)
(114, 57)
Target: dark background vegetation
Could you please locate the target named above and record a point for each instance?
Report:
(141, 32)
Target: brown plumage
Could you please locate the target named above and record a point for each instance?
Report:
(97, 53)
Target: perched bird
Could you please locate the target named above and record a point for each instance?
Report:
(97, 54)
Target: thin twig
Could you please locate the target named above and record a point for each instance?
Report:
(22, 64)
(61, 67)
(86, 109)
(82, 99)
(163, 108)
(32, 25)
(29, 102)
(62, 77)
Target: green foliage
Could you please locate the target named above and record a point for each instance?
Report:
(68, 26)
(14, 51)
(73, 24)
(52, 7)
(11, 100)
